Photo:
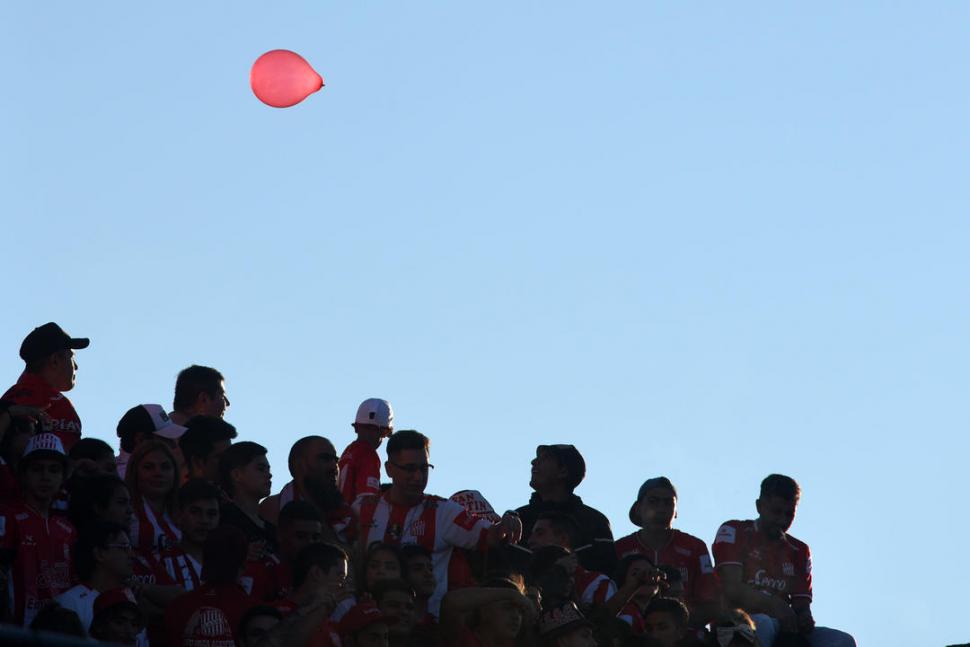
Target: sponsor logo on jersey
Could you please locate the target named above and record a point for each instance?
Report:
(788, 569)
(762, 579)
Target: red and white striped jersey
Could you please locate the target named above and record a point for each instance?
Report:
(150, 533)
(592, 588)
(437, 524)
(181, 568)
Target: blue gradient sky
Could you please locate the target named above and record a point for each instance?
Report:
(706, 241)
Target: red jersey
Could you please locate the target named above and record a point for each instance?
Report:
(360, 471)
(41, 550)
(31, 390)
(261, 578)
(631, 615)
(592, 588)
(686, 553)
(150, 533)
(207, 617)
(180, 568)
(437, 524)
(781, 567)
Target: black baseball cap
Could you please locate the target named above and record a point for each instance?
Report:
(48, 339)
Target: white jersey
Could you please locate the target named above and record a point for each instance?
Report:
(437, 524)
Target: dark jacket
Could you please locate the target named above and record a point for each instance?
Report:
(595, 546)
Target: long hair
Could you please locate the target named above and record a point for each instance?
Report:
(131, 472)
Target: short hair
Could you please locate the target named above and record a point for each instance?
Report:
(88, 495)
(201, 435)
(258, 611)
(410, 551)
(623, 566)
(568, 457)
(297, 511)
(407, 439)
(544, 560)
(561, 523)
(324, 556)
(93, 536)
(59, 620)
(194, 381)
(237, 456)
(297, 450)
(672, 606)
(197, 490)
(780, 486)
(384, 587)
(89, 448)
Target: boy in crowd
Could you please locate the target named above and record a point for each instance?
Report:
(205, 440)
(36, 548)
(665, 622)
(404, 514)
(117, 619)
(196, 517)
(395, 599)
(299, 526)
(257, 623)
(199, 391)
(102, 561)
(318, 570)
(360, 466)
(654, 512)
(210, 615)
(365, 626)
(419, 574)
(50, 369)
(557, 470)
(768, 573)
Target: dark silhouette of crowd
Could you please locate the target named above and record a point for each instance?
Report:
(177, 539)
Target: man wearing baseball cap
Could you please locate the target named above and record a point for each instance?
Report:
(359, 465)
(140, 424)
(654, 512)
(36, 547)
(557, 470)
(50, 369)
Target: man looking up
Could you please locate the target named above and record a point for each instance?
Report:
(556, 472)
(199, 391)
(313, 465)
(654, 511)
(768, 573)
(204, 442)
(404, 514)
(360, 466)
(51, 369)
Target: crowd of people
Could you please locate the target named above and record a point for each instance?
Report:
(177, 539)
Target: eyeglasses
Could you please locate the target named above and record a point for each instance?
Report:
(125, 547)
(411, 468)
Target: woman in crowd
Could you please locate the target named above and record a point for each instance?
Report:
(153, 486)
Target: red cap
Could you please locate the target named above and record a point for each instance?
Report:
(361, 615)
(114, 597)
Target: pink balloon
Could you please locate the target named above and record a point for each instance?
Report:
(281, 78)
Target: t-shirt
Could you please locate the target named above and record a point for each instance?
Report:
(360, 471)
(152, 533)
(437, 524)
(31, 390)
(40, 549)
(781, 567)
(206, 617)
(686, 553)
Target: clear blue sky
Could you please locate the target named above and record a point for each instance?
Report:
(710, 241)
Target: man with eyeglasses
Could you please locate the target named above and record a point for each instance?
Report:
(313, 466)
(557, 470)
(404, 514)
(102, 561)
(654, 512)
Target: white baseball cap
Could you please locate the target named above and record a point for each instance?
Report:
(44, 443)
(149, 418)
(374, 411)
